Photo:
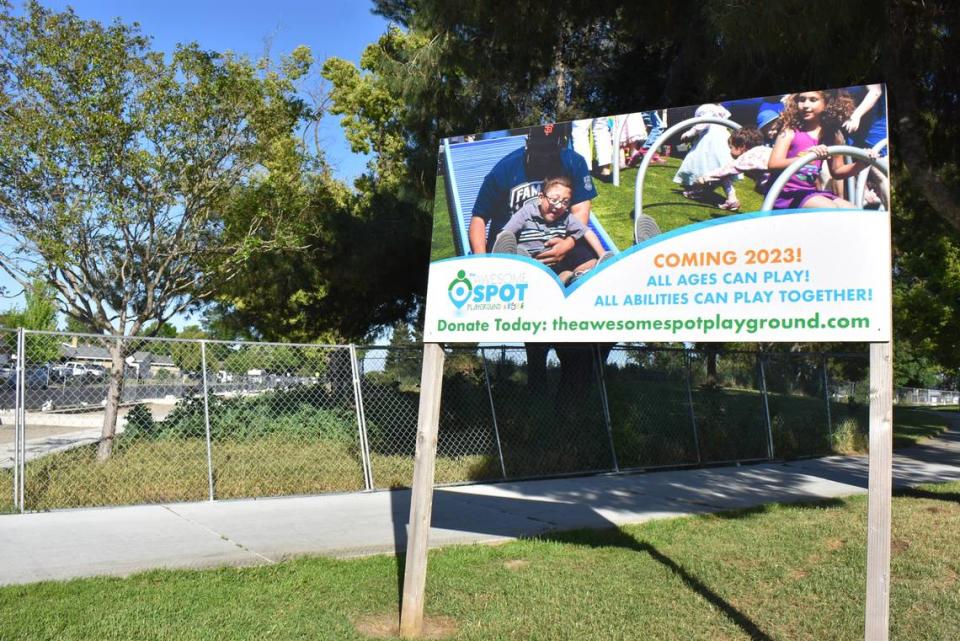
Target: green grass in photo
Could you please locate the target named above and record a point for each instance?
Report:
(6, 491)
(442, 243)
(662, 200)
(613, 207)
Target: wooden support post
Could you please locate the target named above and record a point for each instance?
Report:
(421, 499)
(880, 485)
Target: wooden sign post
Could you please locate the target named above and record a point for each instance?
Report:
(880, 486)
(421, 499)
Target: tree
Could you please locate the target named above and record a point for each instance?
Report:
(402, 363)
(75, 326)
(39, 313)
(115, 165)
(187, 356)
(455, 68)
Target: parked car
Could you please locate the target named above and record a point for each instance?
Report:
(76, 371)
(33, 378)
(98, 372)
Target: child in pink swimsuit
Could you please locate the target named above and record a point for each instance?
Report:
(812, 121)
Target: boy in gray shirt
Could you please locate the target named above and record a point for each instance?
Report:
(538, 222)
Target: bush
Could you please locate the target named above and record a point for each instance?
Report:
(140, 423)
(306, 412)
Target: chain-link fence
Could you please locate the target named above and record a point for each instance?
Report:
(9, 421)
(925, 396)
(96, 420)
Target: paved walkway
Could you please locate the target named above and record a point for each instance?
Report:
(123, 540)
(49, 432)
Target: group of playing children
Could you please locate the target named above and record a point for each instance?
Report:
(809, 123)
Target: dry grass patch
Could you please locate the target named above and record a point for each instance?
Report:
(387, 626)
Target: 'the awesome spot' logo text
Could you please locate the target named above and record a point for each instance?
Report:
(502, 295)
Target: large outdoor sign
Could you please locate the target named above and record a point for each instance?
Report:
(685, 224)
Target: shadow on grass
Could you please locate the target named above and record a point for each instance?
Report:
(770, 507)
(512, 517)
(615, 537)
(686, 203)
(920, 493)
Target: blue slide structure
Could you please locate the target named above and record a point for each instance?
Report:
(466, 165)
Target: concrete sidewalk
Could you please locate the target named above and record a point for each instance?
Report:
(123, 540)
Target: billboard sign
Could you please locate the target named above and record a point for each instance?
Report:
(764, 219)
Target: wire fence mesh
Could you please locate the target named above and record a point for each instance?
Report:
(96, 427)
(797, 402)
(549, 410)
(728, 406)
(848, 385)
(8, 423)
(925, 396)
(283, 420)
(198, 420)
(650, 407)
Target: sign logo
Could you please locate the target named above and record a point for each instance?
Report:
(460, 289)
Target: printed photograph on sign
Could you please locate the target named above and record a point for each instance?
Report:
(761, 219)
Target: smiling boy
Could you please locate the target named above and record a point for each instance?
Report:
(531, 230)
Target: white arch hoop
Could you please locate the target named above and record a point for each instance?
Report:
(833, 150)
(619, 123)
(639, 216)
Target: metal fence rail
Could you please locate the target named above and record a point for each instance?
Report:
(206, 420)
(923, 396)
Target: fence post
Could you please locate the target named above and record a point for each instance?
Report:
(206, 417)
(493, 410)
(766, 405)
(19, 431)
(606, 406)
(826, 397)
(693, 414)
(361, 419)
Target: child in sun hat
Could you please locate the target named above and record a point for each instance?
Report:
(710, 152)
(750, 157)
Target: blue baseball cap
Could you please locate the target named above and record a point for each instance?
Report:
(768, 114)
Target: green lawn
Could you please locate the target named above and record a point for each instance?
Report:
(793, 572)
(441, 245)
(911, 426)
(663, 200)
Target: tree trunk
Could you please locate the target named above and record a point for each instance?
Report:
(712, 378)
(114, 392)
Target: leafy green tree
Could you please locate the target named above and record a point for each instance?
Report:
(454, 68)
(914, 368)
(75, 326)
(39, 313)
(402, 363)
(187, 356)
(153, 329)
(118, 164)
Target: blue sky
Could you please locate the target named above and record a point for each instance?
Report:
(339, 29)
(249, 27)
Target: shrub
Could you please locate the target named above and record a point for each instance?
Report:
(303, 412)
(140, 423)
